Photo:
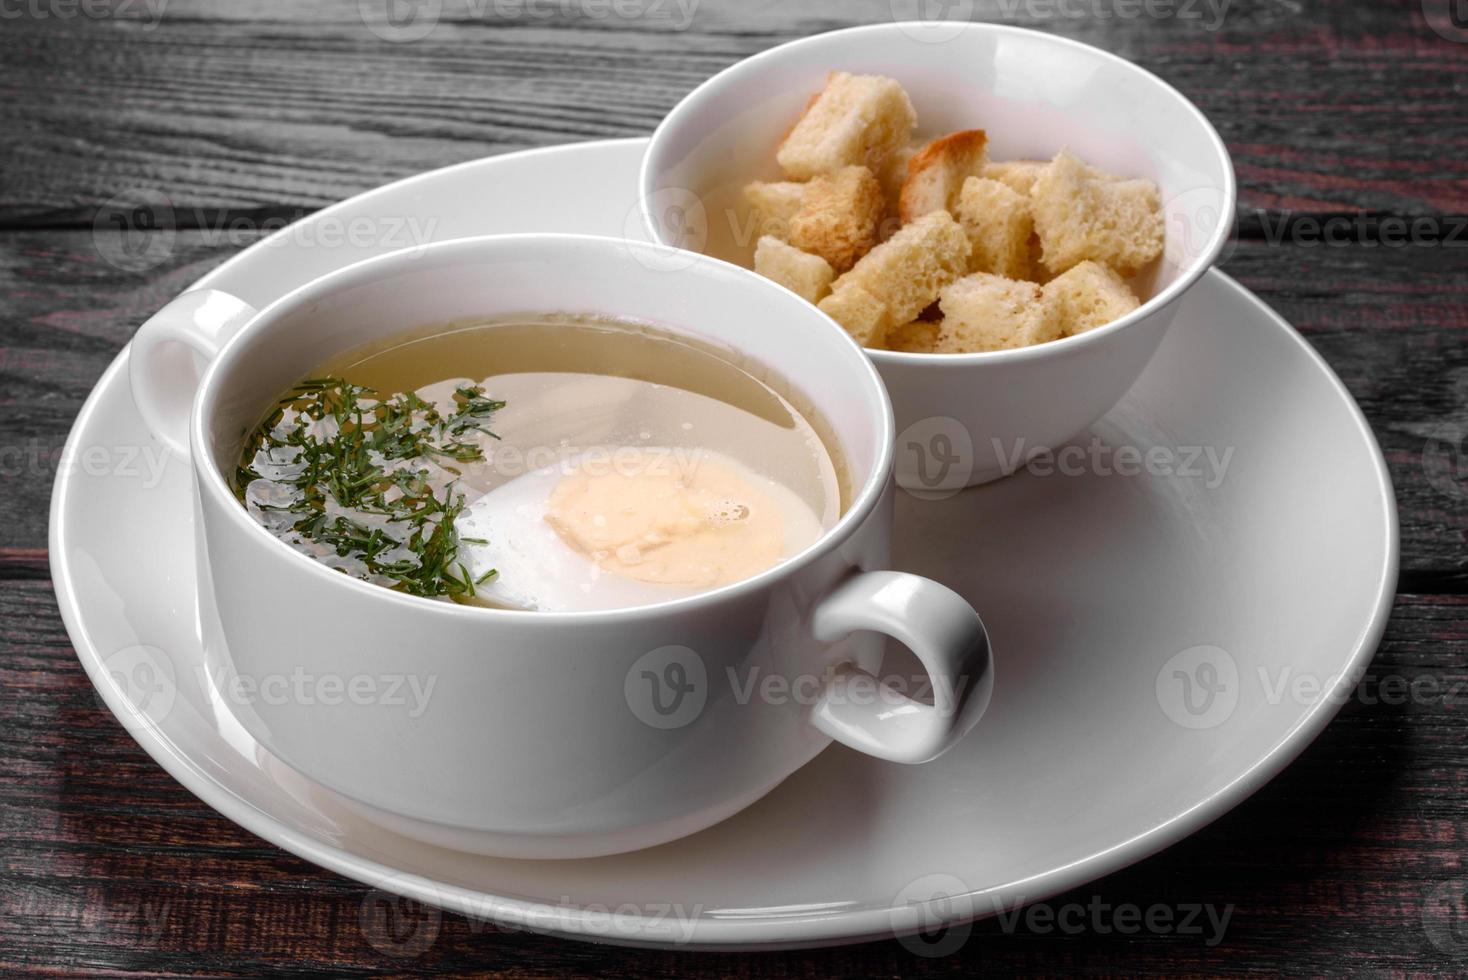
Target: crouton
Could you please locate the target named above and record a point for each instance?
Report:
(936, 174)
(772, 205)
(839, 216)
(984, 312)
(1080, 215)
(855, 120)
(906, 272)
(1089, 295)
(1039, 271)
(894, 175)
(863, 315)
(917, 337)
(1018, 175)
(808, 276)
(999, 226)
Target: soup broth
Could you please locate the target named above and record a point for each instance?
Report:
(547, 463)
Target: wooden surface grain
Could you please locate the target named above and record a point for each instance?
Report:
(1355, 860)
(1327, 105)
(1352, 860)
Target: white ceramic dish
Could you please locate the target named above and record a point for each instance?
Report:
(1033, 93)
(1099, 592)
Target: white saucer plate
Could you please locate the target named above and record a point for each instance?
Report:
(1176, 605)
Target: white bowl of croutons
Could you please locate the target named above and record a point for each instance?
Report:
(1005, 219)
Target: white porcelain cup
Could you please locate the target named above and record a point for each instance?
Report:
(964, 419)
(532, 734)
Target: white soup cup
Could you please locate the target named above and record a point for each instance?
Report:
(539, 734)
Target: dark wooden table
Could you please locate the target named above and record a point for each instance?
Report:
(1348, 122)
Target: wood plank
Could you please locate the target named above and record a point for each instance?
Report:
(280, 104)
(1344, 861)
(1389, 320)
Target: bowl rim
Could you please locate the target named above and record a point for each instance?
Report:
(1187, 276)
(210, 479)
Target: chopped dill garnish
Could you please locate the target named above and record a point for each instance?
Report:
(348, 477)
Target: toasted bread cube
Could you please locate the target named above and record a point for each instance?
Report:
(863, 315)
(1018, 175)
(984, 312)
(1039, 271)
(839, 216)
(936, 174)
(856, 120)
(917, 337)
(894, 175)
(1080, 215)
(808, 276)
(773, 204)
(1088, 296)
(999, 226)
(907, 271)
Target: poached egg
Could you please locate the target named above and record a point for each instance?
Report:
(629, 526)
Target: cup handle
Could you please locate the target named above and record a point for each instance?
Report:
(164, 375)
(946, 635)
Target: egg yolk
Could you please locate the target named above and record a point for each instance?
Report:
(674, 517)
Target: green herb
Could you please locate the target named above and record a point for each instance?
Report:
(349, 478)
